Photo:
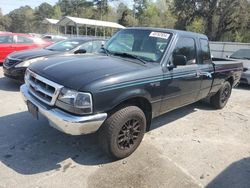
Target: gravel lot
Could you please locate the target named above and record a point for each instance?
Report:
(194, 146)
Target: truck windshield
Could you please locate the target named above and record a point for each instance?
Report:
(147, 45)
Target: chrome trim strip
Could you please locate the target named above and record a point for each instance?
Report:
(57, 87)
(65, 122)
(39, 88)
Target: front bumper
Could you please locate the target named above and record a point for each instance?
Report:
(14, 73)
(245, 77)
(65, 122)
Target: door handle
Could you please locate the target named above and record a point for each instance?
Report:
(207, 74)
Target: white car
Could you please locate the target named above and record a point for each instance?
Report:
(244, 55)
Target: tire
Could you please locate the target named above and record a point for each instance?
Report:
(220, 99)
(122, 132)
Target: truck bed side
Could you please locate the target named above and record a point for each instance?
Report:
(226, 70)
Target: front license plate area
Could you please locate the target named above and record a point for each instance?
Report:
(32, 109)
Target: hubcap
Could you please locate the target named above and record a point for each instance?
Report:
(129, 134)
(225, 94)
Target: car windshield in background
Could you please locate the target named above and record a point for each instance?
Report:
(64, 46)
(241, 54)
(147, 45)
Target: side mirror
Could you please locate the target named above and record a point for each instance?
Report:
(179, 60)
(80, 51)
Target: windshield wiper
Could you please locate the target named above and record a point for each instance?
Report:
(107, 52)
(130, 56)
(50, 49)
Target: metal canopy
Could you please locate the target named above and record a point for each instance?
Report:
(50, 21)
(74, 21)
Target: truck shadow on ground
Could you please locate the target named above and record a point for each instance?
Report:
(243, 87)
(179, 113)
(28, 146)
(236, 175)
(7, 84)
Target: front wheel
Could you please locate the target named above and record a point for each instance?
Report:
(122, 132)
(220, 99)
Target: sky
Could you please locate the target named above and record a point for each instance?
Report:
(9, 5)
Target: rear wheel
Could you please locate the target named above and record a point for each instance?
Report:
(122, 132)
(220, 99)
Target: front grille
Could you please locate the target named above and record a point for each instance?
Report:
(42, 88)
(11, 62)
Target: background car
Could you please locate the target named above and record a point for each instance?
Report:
(16, 63)
(54, 38)
(244, 55)
(11, 42)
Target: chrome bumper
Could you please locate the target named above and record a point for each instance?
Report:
(65, 122)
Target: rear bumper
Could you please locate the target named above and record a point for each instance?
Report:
(245, 77)
(65, 122)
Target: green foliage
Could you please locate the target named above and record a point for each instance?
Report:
(22, 20)
(4, 22)
(196, 26)
(57, 13)
(218, 19)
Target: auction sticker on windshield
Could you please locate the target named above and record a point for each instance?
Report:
(159, 35)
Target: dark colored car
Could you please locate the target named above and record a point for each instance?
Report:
(141, 74)
(12, 42)
(244, 56)
(16, 63)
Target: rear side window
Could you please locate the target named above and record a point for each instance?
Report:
(4, 39)
(186, 46)
(205, 51)
(24, 40)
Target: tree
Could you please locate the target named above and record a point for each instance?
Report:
(217, 16)
(4, 22)
(57, 13)
(22, 20)
(125, 16)
(43, 11)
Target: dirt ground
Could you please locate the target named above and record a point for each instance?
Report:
(194, 146)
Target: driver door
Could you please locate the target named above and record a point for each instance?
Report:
(181, 85)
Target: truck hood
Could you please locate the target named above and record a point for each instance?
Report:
(34, 53)
(76, 71)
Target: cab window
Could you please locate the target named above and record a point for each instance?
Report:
(186, 46)
(205, 51)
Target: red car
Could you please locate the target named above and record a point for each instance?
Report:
(11, 42)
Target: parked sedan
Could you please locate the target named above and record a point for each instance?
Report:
(244, 55)
(11, 42)
(16, 63)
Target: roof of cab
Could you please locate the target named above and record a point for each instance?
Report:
(174, 31)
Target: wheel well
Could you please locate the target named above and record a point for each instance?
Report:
(140, 102)
(231, 80)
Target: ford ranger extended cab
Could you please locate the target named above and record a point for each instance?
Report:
(140, 74)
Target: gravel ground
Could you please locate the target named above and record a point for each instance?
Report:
(194, 146)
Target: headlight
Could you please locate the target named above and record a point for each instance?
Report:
(29, 62)
(75, 102)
